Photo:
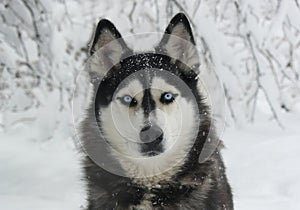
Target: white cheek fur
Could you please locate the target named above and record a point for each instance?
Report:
(119, 130)
(181, 126)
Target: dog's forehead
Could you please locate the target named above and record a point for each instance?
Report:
(132, 87)
(159, 83)
(137, 85)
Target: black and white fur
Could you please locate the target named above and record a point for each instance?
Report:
(166, 175)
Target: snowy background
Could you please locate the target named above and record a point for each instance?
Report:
(254, 44)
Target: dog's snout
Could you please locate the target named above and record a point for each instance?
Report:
(151, 134)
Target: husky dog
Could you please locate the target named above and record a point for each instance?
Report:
(149, 121)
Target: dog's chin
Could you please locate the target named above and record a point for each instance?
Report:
(152, 151)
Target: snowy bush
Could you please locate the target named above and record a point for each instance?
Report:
(255, 47)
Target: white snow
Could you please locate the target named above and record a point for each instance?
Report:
(37, 176)
(263, 165)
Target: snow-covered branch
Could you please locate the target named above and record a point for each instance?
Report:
(254, 45)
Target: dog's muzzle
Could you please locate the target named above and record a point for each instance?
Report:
(151, 137)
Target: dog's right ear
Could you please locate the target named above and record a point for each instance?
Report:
(178, 42)
(108, 47)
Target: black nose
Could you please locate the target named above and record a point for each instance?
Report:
(151, 135)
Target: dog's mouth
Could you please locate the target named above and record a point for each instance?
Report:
(153, 148)
(152, 153)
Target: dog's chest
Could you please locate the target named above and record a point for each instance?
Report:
(148, 204)
(166, 198)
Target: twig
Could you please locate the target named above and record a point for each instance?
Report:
(258, 75)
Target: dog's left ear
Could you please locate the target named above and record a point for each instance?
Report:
(178, 42)
(107, 49)
(105, 33)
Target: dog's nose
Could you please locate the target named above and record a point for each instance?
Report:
(151, 134)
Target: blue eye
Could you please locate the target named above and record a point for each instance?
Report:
(167, 97)
(128, 101)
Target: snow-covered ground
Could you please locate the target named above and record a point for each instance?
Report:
(262, 162)
(39, 176)
(263, 165)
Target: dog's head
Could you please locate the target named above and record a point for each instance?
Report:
(147, 105)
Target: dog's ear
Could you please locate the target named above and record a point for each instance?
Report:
(108, 47)
(178, 42)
